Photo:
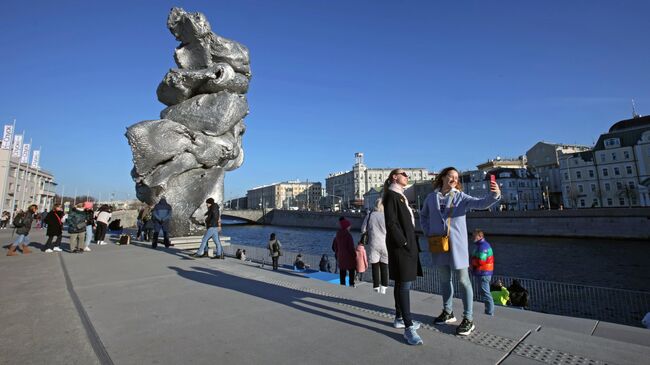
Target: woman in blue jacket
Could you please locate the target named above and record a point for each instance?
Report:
(448, 200)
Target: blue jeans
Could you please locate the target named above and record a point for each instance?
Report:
(89, 236)
(486, 296)
(22, 238)
(402, 296)
(214, 233)
(448, 290)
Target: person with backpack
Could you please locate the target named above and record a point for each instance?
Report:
(162, 215)
(54, 229)
(23, 223)
(102, 217)
(275, 250)
(76, 222)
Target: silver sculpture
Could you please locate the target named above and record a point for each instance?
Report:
(185, 154)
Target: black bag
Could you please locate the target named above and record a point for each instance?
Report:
(125, 239)
(19, 220)
(276, 248)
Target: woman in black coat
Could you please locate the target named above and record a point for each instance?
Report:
(403, 251)
(54, 228)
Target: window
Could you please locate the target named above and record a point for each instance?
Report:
(567, 188)
(609, 201)
(628, 169)
(566, 176)
(582, 203)
(593, 187)
(621, 201)
(631, 185)
(617, 171)
(575, 162)
(626, 154)
(578, 175)
(594, 203)
(591, 173)
(605, 172)
(580, 188)
(619, 186)
(608, 187)
(613, 156)
(602, 157)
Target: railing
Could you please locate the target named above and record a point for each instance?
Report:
(606, 304)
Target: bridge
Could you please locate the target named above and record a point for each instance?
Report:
(252, 216)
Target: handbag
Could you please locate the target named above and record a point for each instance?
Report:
(440, 244)
(364, 236)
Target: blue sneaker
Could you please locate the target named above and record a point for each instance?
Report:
(399, 323)
(412, 337)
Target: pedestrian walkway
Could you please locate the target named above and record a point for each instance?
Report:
(135, 305)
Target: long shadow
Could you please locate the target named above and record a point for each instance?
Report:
(292, 298)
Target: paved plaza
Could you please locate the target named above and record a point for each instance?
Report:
(135, 305)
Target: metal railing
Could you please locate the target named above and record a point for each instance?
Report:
(606, 304)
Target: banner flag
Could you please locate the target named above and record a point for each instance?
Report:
(18, 145)
(36, 157)
(25, 157)
(7, 136)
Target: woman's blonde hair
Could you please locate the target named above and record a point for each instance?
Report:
(379, 206)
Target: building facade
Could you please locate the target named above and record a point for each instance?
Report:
(286, 195)
(543, 160)
(349, 187)
(22, 185)
(520, 189)
(615, 173)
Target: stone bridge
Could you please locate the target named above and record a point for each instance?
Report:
(253, 216)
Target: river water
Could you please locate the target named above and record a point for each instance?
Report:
(619, 264)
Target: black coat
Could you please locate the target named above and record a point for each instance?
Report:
(403, 260)
(212, 216)
(54, 225)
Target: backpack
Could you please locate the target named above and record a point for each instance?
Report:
(275, 247)
(125, 239)
(76, 222)
(19, 220)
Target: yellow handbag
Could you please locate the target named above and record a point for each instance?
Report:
(440, 244)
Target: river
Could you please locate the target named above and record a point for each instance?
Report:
(619, 264)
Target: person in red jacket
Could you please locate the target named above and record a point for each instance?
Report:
(343, 247)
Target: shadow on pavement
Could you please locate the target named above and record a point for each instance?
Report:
(295, 299)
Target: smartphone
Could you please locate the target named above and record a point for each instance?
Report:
(493, 178)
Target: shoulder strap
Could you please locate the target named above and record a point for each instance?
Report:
(451, 212)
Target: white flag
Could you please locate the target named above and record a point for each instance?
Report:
(7, 136)
(18, 145)
(25, 157)
(36, 157)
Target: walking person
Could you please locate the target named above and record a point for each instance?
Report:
(275, 250)
(54, 229)
(102, 217)
(482, 262)
(76, 223)
(90, 223)
(161, 215)
(443, 213)
(343, 247)
(375, 227)
(213, 227)
(403, 251)
(23, 223)
(147, 223)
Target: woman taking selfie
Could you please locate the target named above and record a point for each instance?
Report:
(443, 213)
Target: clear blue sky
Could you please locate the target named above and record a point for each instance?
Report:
(410, 83)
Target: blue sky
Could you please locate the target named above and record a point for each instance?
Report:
(411, 83)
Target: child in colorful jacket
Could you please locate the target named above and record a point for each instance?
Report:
(482, 262)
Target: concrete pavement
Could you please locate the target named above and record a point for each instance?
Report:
(135, 305)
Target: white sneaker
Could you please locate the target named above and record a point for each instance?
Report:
(57, 249)
(382, 289)
(49, 250)
(376, 290)
(87, 249)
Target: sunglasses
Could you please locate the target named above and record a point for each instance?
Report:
(403, 174)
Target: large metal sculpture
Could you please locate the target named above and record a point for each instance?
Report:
(185, 154)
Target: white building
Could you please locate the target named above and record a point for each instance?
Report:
(349, 187)
(615, 173)
(286, 195)
(520, 189)
(22, 185)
